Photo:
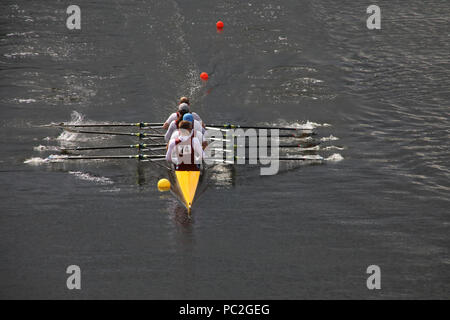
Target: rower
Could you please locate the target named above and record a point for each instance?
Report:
(175, 115)
(187, 147)
(174, 125)
(197, 132)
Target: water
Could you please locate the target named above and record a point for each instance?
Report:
(310, 231)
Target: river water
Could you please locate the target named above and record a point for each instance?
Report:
(379, 100)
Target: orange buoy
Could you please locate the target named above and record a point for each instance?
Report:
(219, 24)
(204, 76)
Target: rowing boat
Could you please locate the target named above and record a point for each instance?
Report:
(185, 185)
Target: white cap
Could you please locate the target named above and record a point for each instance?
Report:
(183, 107)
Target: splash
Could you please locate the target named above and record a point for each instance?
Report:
(308, 125)
(315, 148)
(20, 54)
(88, 177)
(25, 100)
(314, 125)
(111, 190)
(78, 118)
(336, 157)
(36, 161)
(42, 148)
(69, 136)
(312, 157)
(333, 148)
(329, 138)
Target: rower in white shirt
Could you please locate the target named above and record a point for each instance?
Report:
(184, 115)
(185, 152)
(174, 116)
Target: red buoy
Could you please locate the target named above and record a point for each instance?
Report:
(204, 76)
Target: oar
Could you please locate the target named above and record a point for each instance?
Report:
(135, 134)
(133, 156)
(308, 144)
(284, 135)
(312, 157)
(143, 134)
(283, 158)
(158, 124)
(127, 146)
(287, 135)
(98, 125)
(144, 157)
(236, 126)
(315, 148)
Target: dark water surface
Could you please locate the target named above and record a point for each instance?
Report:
(310, 231)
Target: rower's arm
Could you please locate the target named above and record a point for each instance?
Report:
(201, 139)
(169, 132)
(197, 118)
(170, 151)
(198, 151)
(169, 120)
